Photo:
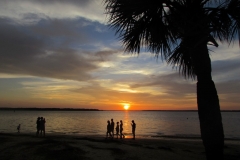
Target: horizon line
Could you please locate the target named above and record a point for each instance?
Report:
(94, 109)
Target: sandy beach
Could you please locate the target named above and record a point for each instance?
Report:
(28, 146)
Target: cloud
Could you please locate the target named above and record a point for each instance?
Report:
(61, 9)
(107, 53)
(225, 70)
(48, 49)
(229, 87)
(172, 85)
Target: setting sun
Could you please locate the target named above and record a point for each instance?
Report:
(126, 106)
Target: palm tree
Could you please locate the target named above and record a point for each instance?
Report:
(180, 31)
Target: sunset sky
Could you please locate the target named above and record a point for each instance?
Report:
(62, 53)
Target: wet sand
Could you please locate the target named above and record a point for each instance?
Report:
(14, 146)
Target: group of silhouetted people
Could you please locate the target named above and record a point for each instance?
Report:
(40, 126)
(119, 129)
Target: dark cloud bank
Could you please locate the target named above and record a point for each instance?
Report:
(47, 49)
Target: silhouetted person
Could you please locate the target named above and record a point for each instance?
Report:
(133, 128)
(18, 128)
(38, 125)
(112, 127)
(108, 129)
(117, 129)
(42, 126)
(121, 129)
(43, 121)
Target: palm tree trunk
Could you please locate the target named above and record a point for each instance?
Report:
(208, 105)
(210, 120)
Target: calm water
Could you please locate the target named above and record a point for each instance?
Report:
(149, 123)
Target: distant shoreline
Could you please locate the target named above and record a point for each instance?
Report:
(85, 109)
(48, 109)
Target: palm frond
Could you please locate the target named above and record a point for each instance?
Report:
(219, 22)
(180, 58)
(162, 26)
(233, 9)
(140, 23)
